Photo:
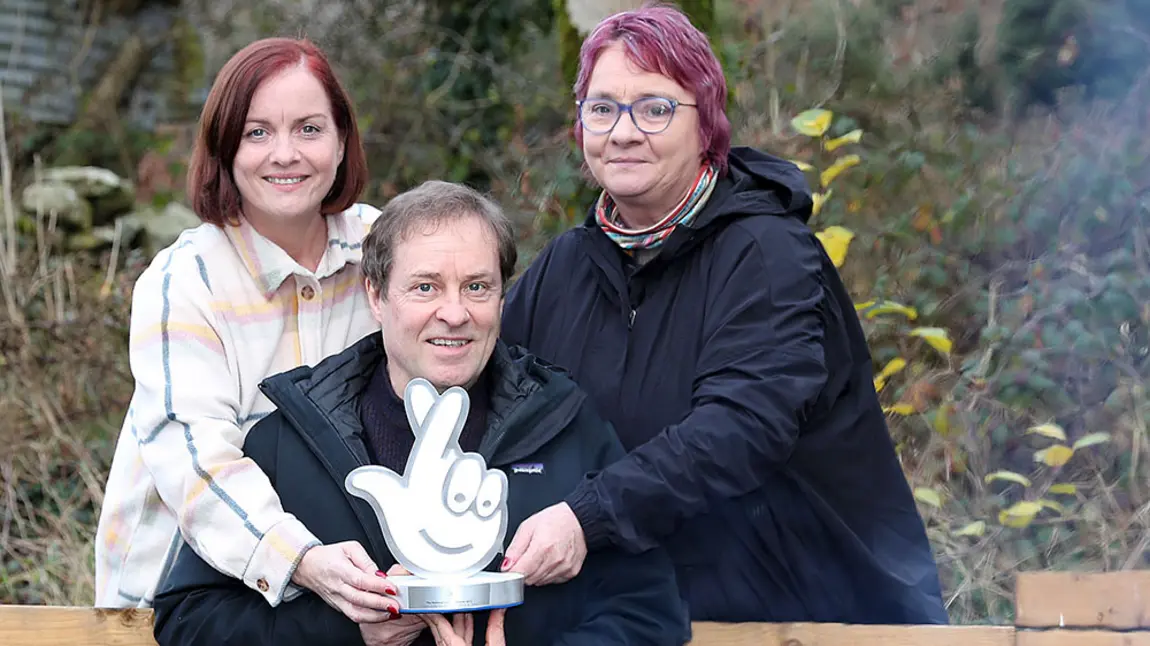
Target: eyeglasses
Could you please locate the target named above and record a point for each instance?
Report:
(651, 114)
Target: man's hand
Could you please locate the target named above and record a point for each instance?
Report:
(459, 631)
(548, 547)
(344, 576)
(495, 636)
(395, 632)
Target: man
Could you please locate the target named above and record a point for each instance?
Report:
(436, 262)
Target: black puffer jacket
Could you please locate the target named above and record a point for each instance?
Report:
(537, 416)
(735, 370)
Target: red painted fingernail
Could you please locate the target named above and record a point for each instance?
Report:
(380, 573)
(506, 562)
(392, 591)
(394, 613)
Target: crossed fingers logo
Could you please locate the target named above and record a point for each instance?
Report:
(446, 515)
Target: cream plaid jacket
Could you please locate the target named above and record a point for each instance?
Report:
(212, 316)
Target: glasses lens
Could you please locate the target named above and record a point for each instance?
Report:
(599, 114)
(653, 113)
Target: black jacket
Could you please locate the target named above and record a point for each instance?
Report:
(315, 439)
(735, 370)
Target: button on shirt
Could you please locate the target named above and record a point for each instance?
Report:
(212, 316)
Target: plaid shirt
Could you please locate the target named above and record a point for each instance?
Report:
(212, 316)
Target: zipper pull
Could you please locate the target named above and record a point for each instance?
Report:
(631, 322)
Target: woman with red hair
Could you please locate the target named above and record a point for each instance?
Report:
(707, 324)
(270, 281)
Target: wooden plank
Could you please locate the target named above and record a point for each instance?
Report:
(44, 625)
(1080, 638)
(1083, 600)
(751, 634)
(76, 626)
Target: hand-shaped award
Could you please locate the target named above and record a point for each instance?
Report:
(445, 518)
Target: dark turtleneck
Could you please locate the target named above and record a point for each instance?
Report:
(389, 437)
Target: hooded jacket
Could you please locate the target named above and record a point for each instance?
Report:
(536, 417)
(734, 368)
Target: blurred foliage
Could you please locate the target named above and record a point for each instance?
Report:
(701, 13)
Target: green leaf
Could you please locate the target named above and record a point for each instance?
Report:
(1064, 488)
(1020, 514)
(977, 528)
(1009, 476)
(928, 496)
(1052, 431)
(1091, 439)
(813, 123)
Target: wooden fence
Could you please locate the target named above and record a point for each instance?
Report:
(1051, 608)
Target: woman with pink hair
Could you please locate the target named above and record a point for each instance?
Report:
(704, 319)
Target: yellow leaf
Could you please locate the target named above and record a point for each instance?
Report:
(813, 123)
(1064, 488)
(803, 166)
(852, 137)
(836, 240)
(1050, 504)
(1091, 440)
(937, 337)
(840, 165)
(900, 409)
(1020, 514)
(928, 496)
(879, 384)
(942, 420)
(889, 307)
(820, 199)
(862, 306)
(1052, 431)
(892, 367)
(1054, 456)
(977, 528)
(1009, 476)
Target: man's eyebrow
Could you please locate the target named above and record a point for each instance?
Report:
(481, 275)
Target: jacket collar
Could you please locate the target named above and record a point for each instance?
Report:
(269, 265)
(531, 402)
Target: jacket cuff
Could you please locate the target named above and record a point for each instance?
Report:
(589, 512)
(270, 570)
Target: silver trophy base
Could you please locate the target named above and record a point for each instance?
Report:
(482, 591)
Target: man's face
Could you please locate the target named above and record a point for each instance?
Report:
(440, 311)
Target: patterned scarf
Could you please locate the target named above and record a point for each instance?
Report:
(607, 215)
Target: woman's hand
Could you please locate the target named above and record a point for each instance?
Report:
(548, 547)
(345, 577)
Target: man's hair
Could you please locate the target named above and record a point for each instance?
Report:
(426, 206)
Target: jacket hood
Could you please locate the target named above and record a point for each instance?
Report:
(756, 183)
(531, 401)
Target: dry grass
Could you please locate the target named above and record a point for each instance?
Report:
(63, 389)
